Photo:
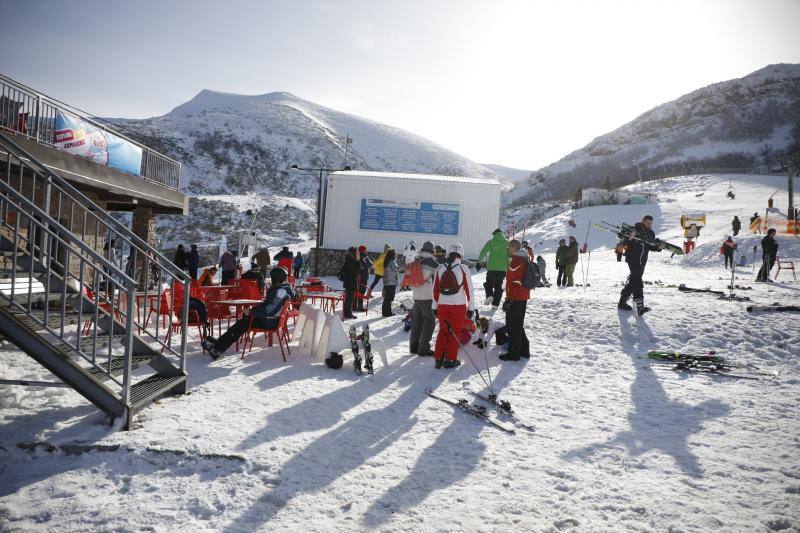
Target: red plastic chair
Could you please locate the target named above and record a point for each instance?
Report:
(104, 305)
(249, 290)
(177, 320)
(281, 331)
(164, 308)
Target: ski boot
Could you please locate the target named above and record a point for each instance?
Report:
(439, 363)
(452, 364)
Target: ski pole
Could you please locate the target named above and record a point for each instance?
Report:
(753, 277)
(483, 348)
(458, 343)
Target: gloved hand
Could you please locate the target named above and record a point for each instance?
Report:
(436, 313)
(478, 266)
(469, 314)
(506, 305)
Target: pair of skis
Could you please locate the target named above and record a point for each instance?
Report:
(357, 352)
(482, 413)
(709, 363)
(629, 232)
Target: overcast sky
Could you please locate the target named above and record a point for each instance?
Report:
(515, 83)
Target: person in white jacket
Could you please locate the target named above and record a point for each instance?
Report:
(422, 320)
(453, 302)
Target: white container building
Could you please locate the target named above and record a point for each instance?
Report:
(373, 208)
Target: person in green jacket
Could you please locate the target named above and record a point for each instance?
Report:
(496, 249)
(571, 259)
(561, 263)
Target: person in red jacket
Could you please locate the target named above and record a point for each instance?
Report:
(517, 296)
(452, 296)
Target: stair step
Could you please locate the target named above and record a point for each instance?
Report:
(137, 360)
(147, 390)
(53, 319)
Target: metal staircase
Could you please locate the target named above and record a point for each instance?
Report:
(77, 288)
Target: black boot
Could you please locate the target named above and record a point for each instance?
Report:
(624, 306)
(439, 363)
(452, 364)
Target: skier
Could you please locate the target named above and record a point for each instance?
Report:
(542, 266)
(180, 258)
(561, 263)
(227, 264)
(496, 249)
(422, 320)
(193, 261)
(571, 259)
(255, 274)
(265, 315)
(517, 296)
(390, 275)
(769, 252)
(727, 249)
(736, 225)
(453, 302)
(284, 258)
(636, 257)
(349, 276)
(365, 265)
(297, 264)
(378, 266)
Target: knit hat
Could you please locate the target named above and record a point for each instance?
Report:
(427, 246)
(498, 230)
(278, 275)
(362, 249)
(386, 246)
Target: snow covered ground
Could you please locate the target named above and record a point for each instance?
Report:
(619, 445)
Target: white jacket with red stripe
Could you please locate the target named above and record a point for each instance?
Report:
(465, 294)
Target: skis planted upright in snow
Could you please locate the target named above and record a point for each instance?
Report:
(478, 412)
(354, 348)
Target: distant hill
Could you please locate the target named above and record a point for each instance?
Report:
(512, 174)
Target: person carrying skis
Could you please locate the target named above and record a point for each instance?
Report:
(265, 315)
(571, 259)
(727, 248)
(365, 265)
(496, 249)
(349, 276)
(561, 263)
(769, 253)
(453, 302)
(378, 267)
(736, 225)
(638, 249)
(390, 275)
(297, 264)
(542, 266)
(517, 296)
(193, 261)
(422, 320)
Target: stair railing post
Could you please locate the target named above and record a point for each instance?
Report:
(128, 343)
(38, 117)
(184, 320)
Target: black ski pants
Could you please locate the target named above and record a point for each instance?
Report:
(767, 262)
(728, 256)
(388, 298)
(515, 322)
(239, 328)
(561, 280)
(422, 324)
(349, 296)
(494, 285)
(634, 286)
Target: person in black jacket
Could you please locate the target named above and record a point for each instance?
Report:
(255, 274)
(349, 274)
(769, 253)
(193, 261)
(365, 266)
(636, 257)
(180, 258)
(736, 225)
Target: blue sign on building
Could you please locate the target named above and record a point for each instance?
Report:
(409, 216)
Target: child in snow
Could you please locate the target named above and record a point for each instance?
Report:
(542, 266)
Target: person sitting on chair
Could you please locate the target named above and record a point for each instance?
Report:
(207, 277)
(255, 274)
(265, 315)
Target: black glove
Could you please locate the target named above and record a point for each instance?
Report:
(469, 314)
(506, 305)
(436, 313)
(478, 266)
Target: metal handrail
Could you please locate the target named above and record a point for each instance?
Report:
(155, 167)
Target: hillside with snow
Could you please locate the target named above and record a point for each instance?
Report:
(620, 443)
(236, 147)
(745, 123)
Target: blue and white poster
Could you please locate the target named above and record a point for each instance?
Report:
(409, 216)
(81, 138)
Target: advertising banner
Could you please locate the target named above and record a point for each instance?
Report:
(81, 138)
(409, 216)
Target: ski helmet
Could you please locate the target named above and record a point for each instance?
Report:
(456, 248)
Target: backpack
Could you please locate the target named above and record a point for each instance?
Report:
(448, 282)
(532, 277)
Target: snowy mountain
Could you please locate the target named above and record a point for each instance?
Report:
(743, 123)
(233, 144)
(510, 173)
